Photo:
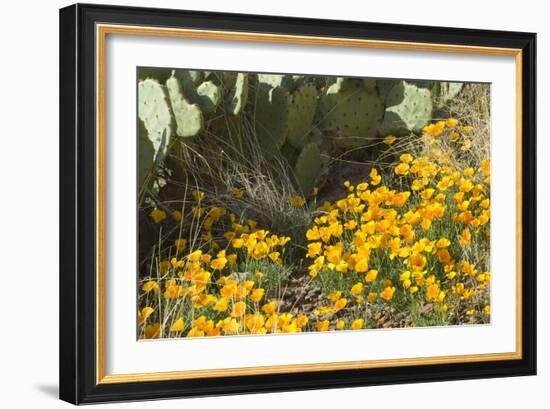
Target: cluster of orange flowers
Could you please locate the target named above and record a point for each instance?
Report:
(379, 244)
(378, 249)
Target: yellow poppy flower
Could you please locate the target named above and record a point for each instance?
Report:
(150, 286)
(239, 309)
(322, 325)
(335, 296)
(274, 256)
(236, 192)
(152, 331)
(301, 320)
(195, 256)
(357, 324)
(237, 243)
(296, 201)
(270, 307)
(177, 326)
(371, 276)
(340, 304)
(144, 314)
(180, 244)
(444, 256)
(198, 195)
(465, 237)
(257, 294)
(451, 122)
(402, 169)
(375, 177)
(218, 263)
(387, 294)
(357, 289)
(221, 305)
(158, 215)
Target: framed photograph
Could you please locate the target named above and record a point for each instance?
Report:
(256, 204)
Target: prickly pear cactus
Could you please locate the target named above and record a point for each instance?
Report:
(351, 109)
(154, 111)
(227, 79)
(423, 84)
(290, 82)
(196, 77)
(146, 153)
(308, 167)
(384, 87)
(443, 92)
(188, 116)
(238, 96)
(159, 74)
(209, 96)
(370, 85)
(303, 104)
(271, 116)
(275, 80)
(314, 136)
(189, 80)
(408, 109)
(201, 88)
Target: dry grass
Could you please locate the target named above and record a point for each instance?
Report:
(473, 107)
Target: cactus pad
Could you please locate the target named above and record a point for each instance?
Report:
(271, 116)
(238, 96)
(303, 103)
(445, 91)
(273, 80)
(408, 109)
(154, 111)
(384, 87)
(146, 153)
(196, 77)
(370, 85)
(352, 110)
(209, 96)
(159, 74)
(423, 84)
(189, 119)
(308, 167)
(228, 79)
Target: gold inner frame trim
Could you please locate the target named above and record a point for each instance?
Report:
(102, 30)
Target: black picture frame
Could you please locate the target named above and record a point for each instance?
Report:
(78, 363)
